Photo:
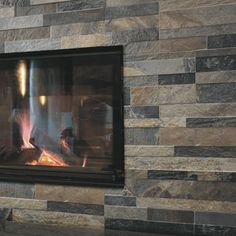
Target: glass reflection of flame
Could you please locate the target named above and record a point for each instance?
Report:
(21, 74)
(42, 100)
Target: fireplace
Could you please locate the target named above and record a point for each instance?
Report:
(61, 116)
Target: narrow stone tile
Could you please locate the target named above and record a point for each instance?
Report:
(216, 77)
(78, 208)
(182, 44)
(116, 3)
(216, 93)
(215, 218)
(119, 200)
(166, 215)
(220, 63)
(17, 190)
(11, 3)
(35, 10)
(213, 230)
(149, 226)
(222, 41)
(141, 136)
(59, 218)
(187, 78)
(25, 34)
(171, 94)
(211, 122)
(216, 52)
(127, 36)
(134, 213)
(21, 22)
(7, 12)
(73, 17)
(198, 31)
(132, 10)
(39, 2)
(79, 5)
(202, 136)
(198, 17)
(207, 151)
(149, 151)
(142, 123)
(140, 112)
(197, 110)
(137, 81)
(126, 96)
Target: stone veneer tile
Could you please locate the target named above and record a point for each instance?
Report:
(198, 136)
(23, 203)
(126, 95)
(25, 34)
(186, 78)
(216, 77)
(182, 44)
(119, 200)
(116, 212)
(186, 204)
(196, 190)
(222, 41)
(214, 230)
(7, 12)
(185, 164)
(60, 218)
(211, 122)
(114, 3)
(141, 123)
(32, 45)
(207, 151)
(69, 193)
(73, 17)
(136, 35)
(21, 22)
(167, 215)
(141, 136)
(217, 63)
(215, 218)
(216, 52)
(79, 5)
(35, 10)
(140, 112)
(132, 10)
(78, 208)
(197, 110)
(198, 31)
(38, 2)
(149, 226)
(224, 14)
(149, 151)
(216, 93)
(172, 94)
(144, 95)
(17, 190)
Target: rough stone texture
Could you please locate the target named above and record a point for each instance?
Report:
(35, 10)
(7, 12)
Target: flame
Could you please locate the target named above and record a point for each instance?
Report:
(42, 100)
(21, 73)
(84, 162)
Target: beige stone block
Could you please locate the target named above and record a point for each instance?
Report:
(144, 95)
(172, 94)
(38, 2)
(116, 3)
(7, 12)
(198, 136)
(198, 17)
(129, 123)
(187, 204)
(88, 195)
(197, 110)
(216, 77)
(57, 218)
(182, 44)
(149, 151)
(23, 203)
(90, 40)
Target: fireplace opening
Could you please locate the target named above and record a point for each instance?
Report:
(61, 116)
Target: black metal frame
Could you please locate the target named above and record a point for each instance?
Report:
(113, 177)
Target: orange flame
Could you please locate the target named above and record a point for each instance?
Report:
(84, 162)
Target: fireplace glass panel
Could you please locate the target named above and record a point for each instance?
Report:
(58, 111)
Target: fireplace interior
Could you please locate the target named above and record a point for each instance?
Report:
(61, 116)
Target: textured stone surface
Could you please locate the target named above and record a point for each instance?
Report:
(216, 77)
(120, 200)
(214, 230)
(17, 190)
(113, 3)
(23, 203)
(141, 123)
(222, 41)
(126, 213)
(198, 136)
(70, 194)
(187, 78)
(172, 94)
(210, 93)
(38, 2)
(197, 110)
(141, 112)
(7, 12)
(21, 22)
(60, 218)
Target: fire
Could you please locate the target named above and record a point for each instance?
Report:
(21, 73)
(84, 162)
